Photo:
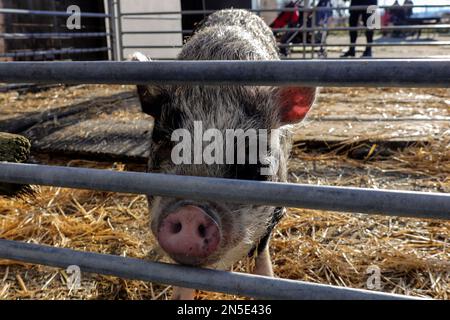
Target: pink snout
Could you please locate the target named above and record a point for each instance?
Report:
(189, 235)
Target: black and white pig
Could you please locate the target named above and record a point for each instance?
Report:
(218, 234)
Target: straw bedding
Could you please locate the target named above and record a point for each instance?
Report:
(325, 247)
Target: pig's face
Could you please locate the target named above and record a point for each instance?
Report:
(210, 233)
(207, 233)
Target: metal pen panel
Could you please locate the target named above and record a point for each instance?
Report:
(204, 279)
(340, 73)
(53, 35)
(357, 200)
(300, 9)
(31, 53)
(51, 13)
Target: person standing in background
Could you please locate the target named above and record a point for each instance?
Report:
(408, 5)
(353, 22)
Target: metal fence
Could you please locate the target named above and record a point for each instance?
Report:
(419, 73)
(51, 52)
(358, 200)
(115, 34)
(372, 72)
(53, 45)
(309, 48)
(196, 278)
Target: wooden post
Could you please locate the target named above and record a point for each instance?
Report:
(14, 148)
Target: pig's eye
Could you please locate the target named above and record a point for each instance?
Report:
(161, 147)
(152, 99)
(174, 119)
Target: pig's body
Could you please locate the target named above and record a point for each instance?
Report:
(228, 232)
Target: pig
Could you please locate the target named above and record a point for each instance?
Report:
(218, 234)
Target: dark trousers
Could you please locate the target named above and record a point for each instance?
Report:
(353, 21)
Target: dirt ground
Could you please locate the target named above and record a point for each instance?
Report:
(413, 255)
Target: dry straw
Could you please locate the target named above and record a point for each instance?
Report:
(325, 247)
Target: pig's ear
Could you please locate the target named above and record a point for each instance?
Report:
(294, 103)
(151, 97)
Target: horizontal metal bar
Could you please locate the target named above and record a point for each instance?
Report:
(204, 279)
(25, 87)
(362, 28)
(340, 73)
(374, 44)
(326, 58)
(159, 32)
(52, 13)
(370, 201)
(300, 9)
(49, 52)
(151, 18)
(152, 47)
(319, 29)
(53, 35)
(356, 57)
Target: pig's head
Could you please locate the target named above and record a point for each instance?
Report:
(208, 233)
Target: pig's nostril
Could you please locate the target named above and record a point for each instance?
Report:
(176, 227)
(202, 231)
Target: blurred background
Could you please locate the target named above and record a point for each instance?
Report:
(113, 29)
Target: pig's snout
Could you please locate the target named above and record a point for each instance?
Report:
(189, 235)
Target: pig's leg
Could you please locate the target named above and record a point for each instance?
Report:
(180, 293)
(263, 264)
